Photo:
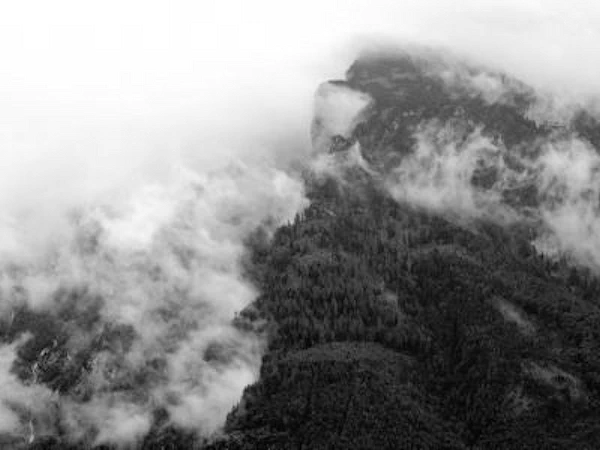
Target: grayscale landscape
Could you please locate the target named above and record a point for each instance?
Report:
(312, 225)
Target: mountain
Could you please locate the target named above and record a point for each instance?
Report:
(404, 317)
(436, 294)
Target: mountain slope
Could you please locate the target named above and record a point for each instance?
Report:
(403, 325)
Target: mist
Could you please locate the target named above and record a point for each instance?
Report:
(559, 175)
(141, 143)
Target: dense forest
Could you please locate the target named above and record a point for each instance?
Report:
(398, 329)
(390, 325)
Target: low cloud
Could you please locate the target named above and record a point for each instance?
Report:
(148, 291)
(456, 171)
(337, 110)
(570, 182)
(438, 174)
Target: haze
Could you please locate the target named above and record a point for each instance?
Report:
(100, 90)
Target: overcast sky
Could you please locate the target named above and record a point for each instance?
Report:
(92, 93)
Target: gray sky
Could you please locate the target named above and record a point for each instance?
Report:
(96, 93)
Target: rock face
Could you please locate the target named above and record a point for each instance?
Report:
(338, 109)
